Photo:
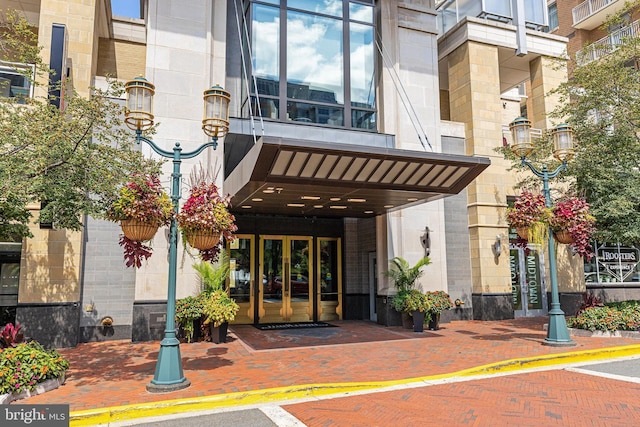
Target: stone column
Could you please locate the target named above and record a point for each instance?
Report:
(474, 93)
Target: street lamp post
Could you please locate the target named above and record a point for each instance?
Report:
(557, 332)
(139, 117)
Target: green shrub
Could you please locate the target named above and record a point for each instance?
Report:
(26, 365)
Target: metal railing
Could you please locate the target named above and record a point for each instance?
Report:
(607, 44)
(588, 8)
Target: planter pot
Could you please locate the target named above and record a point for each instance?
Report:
(203, 240)
(137, 230)
(434, 323)
(418, 321)
(407, 321)
(563, 236)
(219, 333)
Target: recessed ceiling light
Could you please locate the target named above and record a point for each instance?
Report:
(412, 199)
(310, 197)
(295, 205)
(268, 191)
(257, 199)
(334, 199)
(318, 206)
(368, 212)
(388, 206)
(338, 207)
(357, 200)
(246, 206)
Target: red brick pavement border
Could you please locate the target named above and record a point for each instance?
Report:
(115, 373)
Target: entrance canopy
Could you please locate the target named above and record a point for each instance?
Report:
(292, 177)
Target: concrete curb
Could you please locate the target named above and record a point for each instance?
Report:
(104, 416)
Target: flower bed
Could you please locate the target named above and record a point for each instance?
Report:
(26, 366)
(624, 316)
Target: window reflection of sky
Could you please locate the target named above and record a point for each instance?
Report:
(315, 52)
(265, 42)
(326, 7)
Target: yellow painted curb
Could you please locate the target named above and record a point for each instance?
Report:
(113, 414)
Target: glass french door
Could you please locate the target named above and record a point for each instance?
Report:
(286, 284)
(527, 281)
(241, 276)
(330, 279)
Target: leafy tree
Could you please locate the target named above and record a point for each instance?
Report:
(72, 160)
(601, 102)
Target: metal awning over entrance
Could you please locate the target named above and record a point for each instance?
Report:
(292, 177)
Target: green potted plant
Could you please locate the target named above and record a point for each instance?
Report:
(440, 301)
(416, 304)
(407, 299)
(205, 219)
(140, 207)
(529, 216)
(573, 224)
(189, 311)
(218, 308)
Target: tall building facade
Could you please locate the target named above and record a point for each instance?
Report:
(360, 131)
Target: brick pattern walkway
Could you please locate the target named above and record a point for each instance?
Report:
(548, 398)
(115, 373)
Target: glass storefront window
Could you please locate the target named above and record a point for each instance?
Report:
(613, 263)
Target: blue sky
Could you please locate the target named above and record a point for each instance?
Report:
(130, 8)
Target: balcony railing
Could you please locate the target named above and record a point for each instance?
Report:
(588, 8)
(450, 12)
(607, 44)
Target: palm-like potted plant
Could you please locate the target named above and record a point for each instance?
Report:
(141, 207)
(218, 308)
(409, 300)
(205, 218)
(573, 224)
(529, 216)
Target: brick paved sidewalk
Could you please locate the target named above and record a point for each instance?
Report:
(115, 373)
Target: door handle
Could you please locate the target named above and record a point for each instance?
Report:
(286, 280)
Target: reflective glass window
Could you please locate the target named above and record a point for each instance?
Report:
(326, 57)
(362, 66)
(325, 7)
(360, 12)
(314, 58)
(265, 42)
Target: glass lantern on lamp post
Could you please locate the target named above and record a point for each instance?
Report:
(563, 151)
(215, 123)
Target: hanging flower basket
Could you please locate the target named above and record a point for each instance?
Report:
(203, 240)
(536, 233)
(138, 231)
(563, 236)
(523, 232)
